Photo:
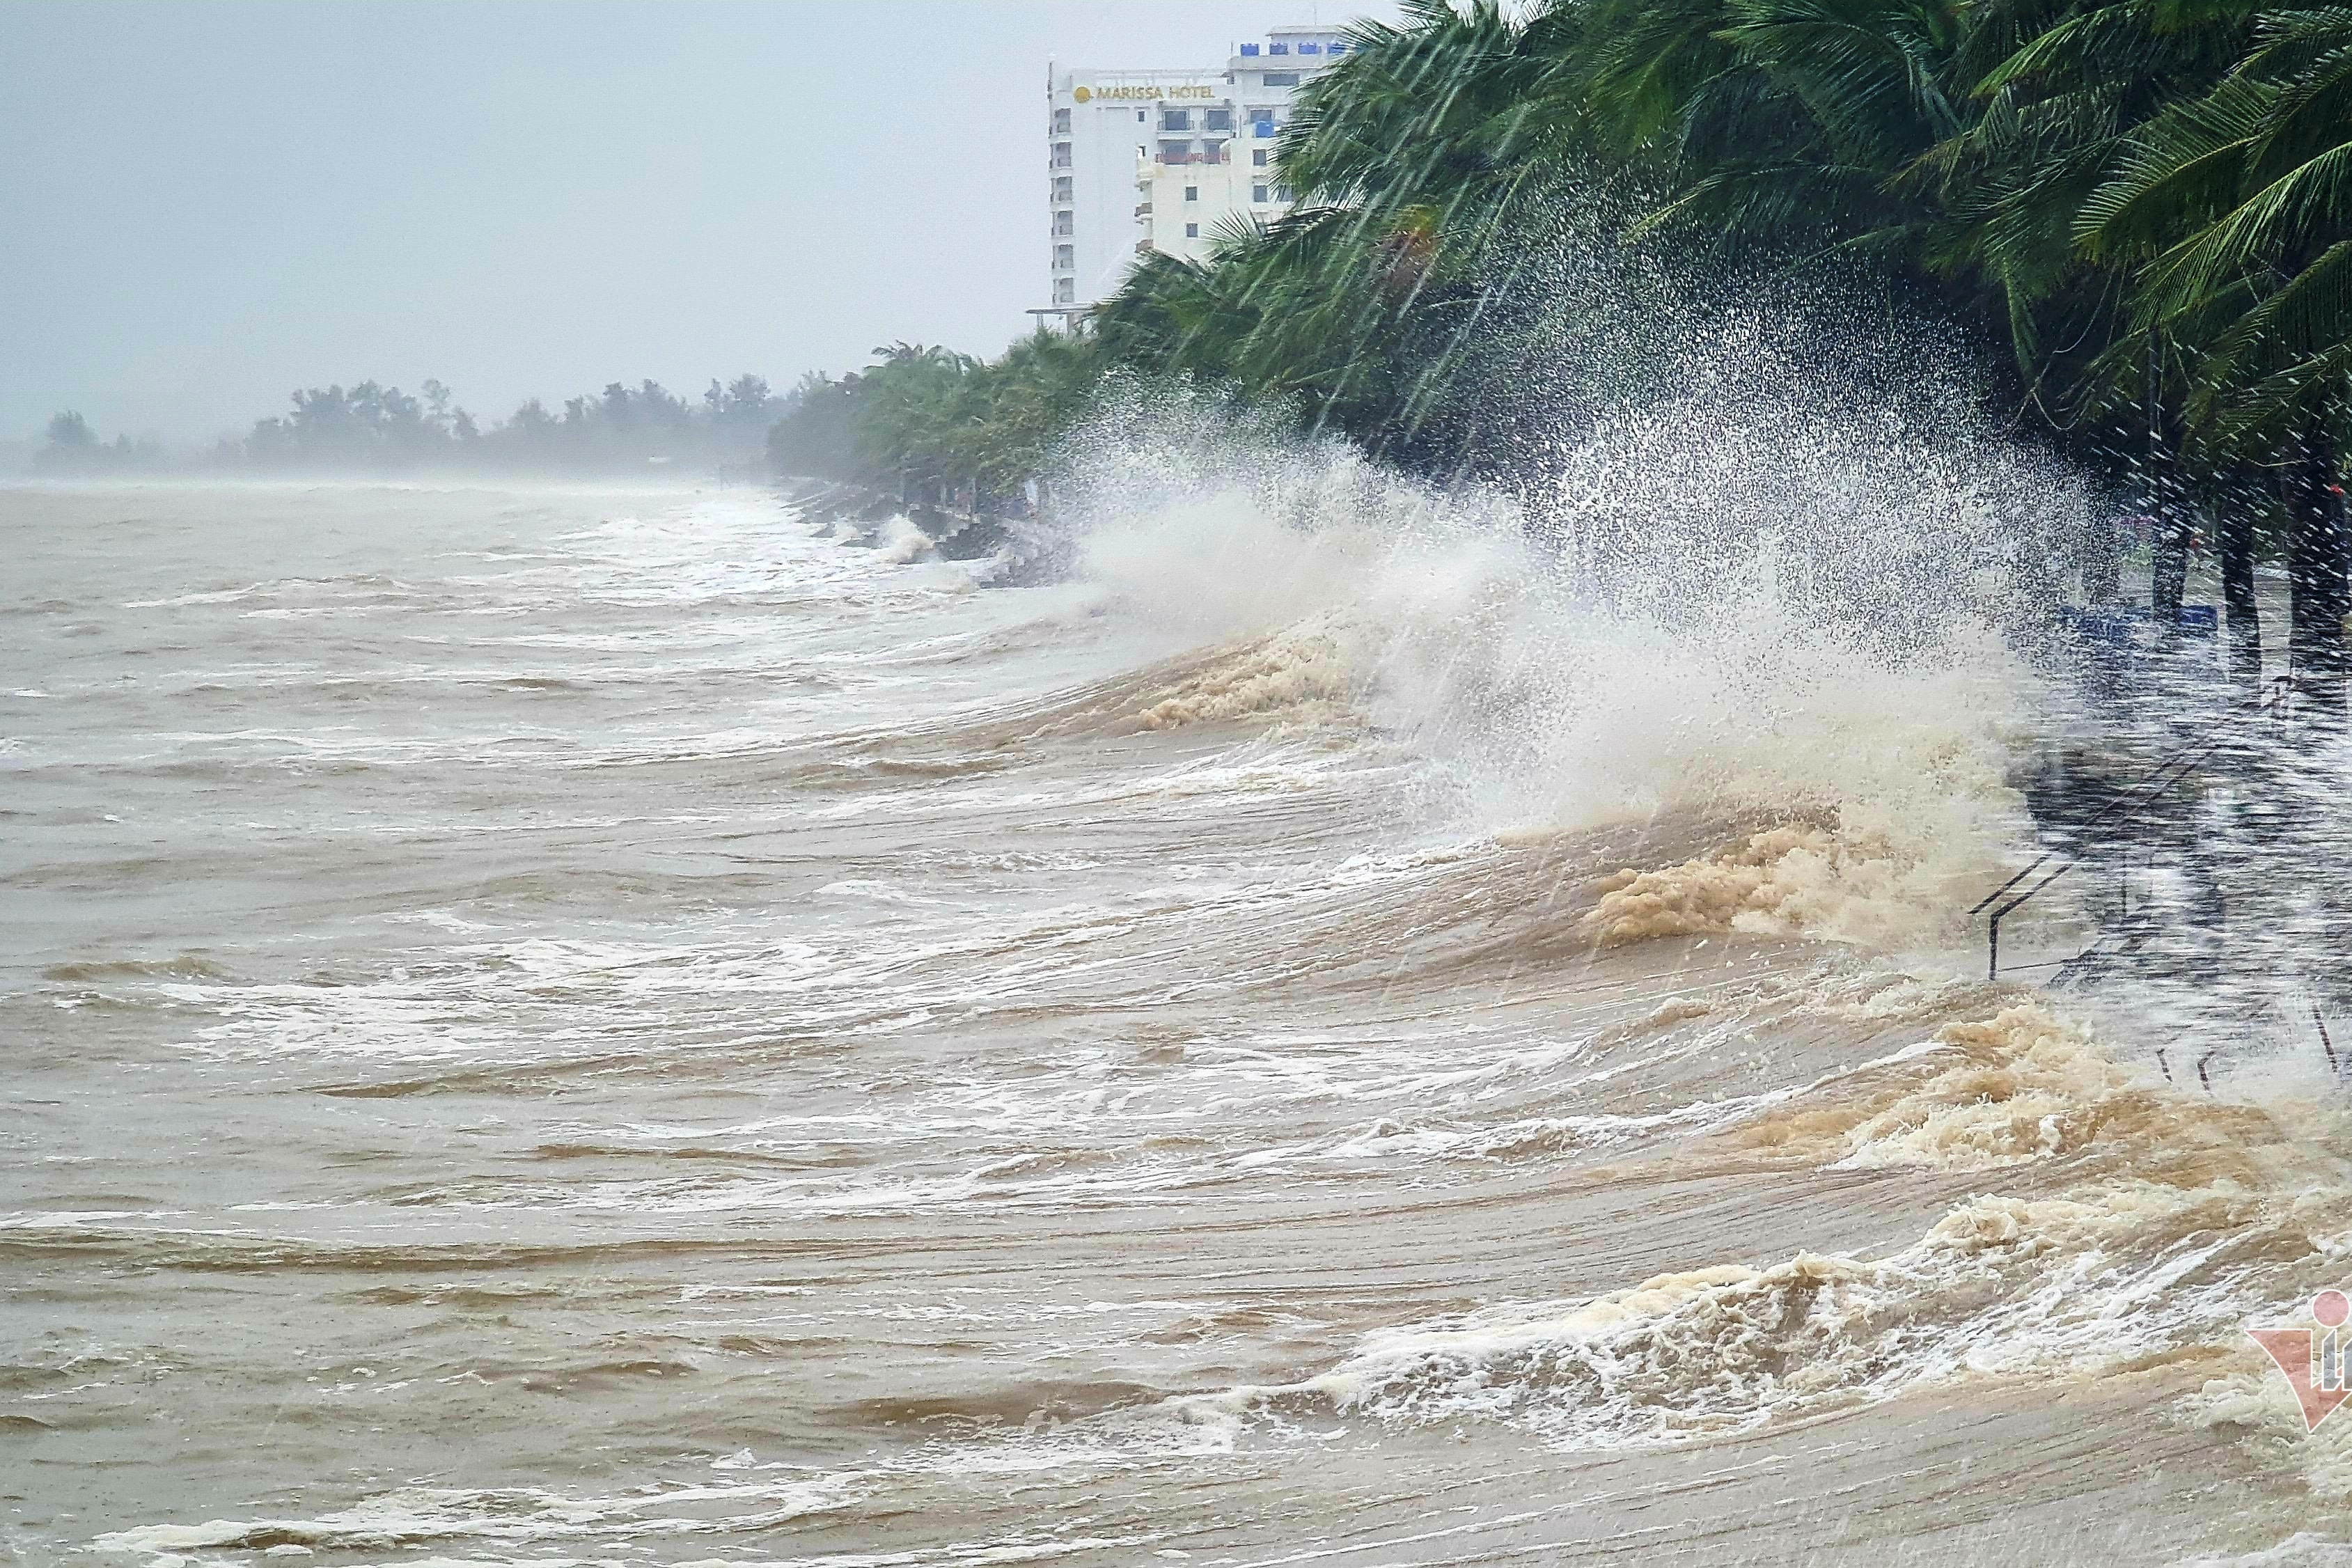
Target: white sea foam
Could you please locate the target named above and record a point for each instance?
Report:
(1568, 684)
(1190, 959)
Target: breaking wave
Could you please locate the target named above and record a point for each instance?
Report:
(1860, 784)
(1354, 985)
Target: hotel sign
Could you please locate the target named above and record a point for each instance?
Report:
(1145, 91)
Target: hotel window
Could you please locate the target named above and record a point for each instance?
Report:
(1278, 48)
(1310, 49)
(1065, 256)
(1175, 151)
(1216, 120)
(1062, 187)
(1250, 49)
(1262, 124)
(1282, 79)
(1175, 119)
(1061, 155)
(1191, 193)
(1063, 221)
(1192, 231)
(1257, 193)
(1339, 49)
(1066, 290)
(1061, 122)
(1282, 193)
(1257, 157)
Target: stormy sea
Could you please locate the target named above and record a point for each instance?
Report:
(1293, 1016)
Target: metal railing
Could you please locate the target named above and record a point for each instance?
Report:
(2273, 701)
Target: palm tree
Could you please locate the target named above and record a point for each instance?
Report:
(1779, 122)
(1027, 398)
(2236, 208)
(2147, 197)
(915, 411)
(2061, 88)
(1425, 163)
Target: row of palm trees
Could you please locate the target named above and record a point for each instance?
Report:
(932, 424)
(2139, 212)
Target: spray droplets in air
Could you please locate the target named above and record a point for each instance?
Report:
(1780, 580)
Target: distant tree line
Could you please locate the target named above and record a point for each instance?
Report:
(374, 429)
(73, 447)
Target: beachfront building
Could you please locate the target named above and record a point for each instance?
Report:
(1138, 160)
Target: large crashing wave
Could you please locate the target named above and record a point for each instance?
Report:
(1812, 624)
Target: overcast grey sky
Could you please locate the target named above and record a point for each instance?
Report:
(203, 206)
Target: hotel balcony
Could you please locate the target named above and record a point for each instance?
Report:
(1150, 168)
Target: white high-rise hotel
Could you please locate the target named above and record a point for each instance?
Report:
(1139, 161)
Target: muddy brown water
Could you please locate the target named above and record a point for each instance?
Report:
(575, 1025)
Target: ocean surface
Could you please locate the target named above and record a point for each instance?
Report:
(571, 1026)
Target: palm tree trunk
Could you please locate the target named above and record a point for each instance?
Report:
(2169, 582)
(2234, 528)
(2103, 577)
(2315, 547)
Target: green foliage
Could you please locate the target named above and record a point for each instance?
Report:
(73, 447)
(2115, 188)
(2230, 214)
(930, 422)
(1434, 165)
(375, 428)
(2072, 174)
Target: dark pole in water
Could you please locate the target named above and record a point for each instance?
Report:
(2314, 563)
(2234, 528)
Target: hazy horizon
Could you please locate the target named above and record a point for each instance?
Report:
(216, 203)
